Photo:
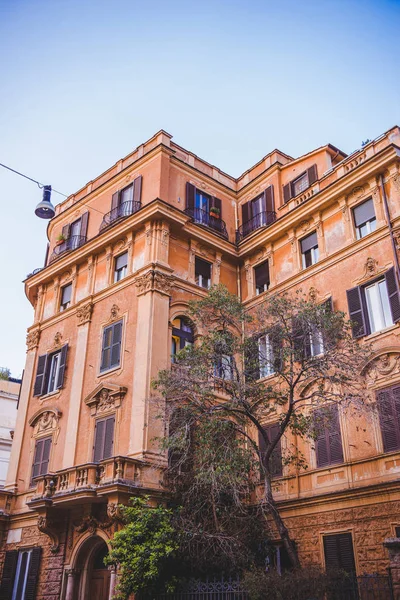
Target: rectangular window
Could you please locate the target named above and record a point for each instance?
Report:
(397, 531)
(316, 342)
(202, 270)
(202, 207)
(364, 218)
(41, 458)
(300, 184)
(104, 439)
(309, 250)
(223, 367)
(388, 403)
(266, 358)
(328, 442)
(275, 461)
(50, 372)
(20, 574)
(120, 266)
(66, 293)
(261, 276)
(339, 554)
(111, 348)
(378, 308)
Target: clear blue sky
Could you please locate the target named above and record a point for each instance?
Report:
(83, 83)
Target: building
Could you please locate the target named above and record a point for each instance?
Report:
(9, 393)
(126, 253)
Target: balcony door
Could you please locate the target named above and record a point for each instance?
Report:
(202, 207)
(75, 234)
(258, 211)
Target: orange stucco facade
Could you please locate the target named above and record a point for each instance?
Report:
(70, 511)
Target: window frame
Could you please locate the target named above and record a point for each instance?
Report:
(65, 305)
(111, 367)
(199, 277)
(313, 252)
(123, 269)
(224, 367)
(368, 308)
(296, 181)
(269, 353)
(392, 417)
(41, 440)
(357, 228)
(266, 286)
(326, 435)
(105, 420)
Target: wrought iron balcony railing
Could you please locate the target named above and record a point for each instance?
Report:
(263, 219)
(123, 210)
(34, 272)
(73, 242)
(202, 217)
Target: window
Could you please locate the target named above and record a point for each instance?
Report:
(328, 441)
(120, 266)
(316, 346)
(265, 356)
(374, 306)
(309, 250)
(126, 201)
(258, 212)
(41, 458)
(397, 531)
(111, 349)
(50, 372)
(20, 574)
(182, 335)
(339, 554)
(103, 439)
(388, 403)
(261, 275)
(364, 218)
(199, 205)
(275, 461)
(66, 293)
(301, 183)
(202, 270)
(223, 367)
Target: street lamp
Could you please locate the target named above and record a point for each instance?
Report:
(45, 209)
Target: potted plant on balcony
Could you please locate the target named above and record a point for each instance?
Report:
(60, 239)
(215, 212)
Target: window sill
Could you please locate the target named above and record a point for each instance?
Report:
(270, 376)
(108, 371)
(50, 395)
(372, 336)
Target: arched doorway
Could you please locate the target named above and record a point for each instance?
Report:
(99, 575)
(91, 578)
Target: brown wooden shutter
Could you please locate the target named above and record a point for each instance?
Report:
(109, 438)
(115, 200)
(328, 444)
(298, 336)
(44, 463)
(356, 312)
(116, 344)
(389, 417)
(246, 212)
(269, 199)
(287, 192)
(37, 459)
(393, 293)
(190, 195)
(46, 256)
(38, 388)
(338, 550)
(7, 578)
(84, 224)
(61, 370)
(99, 440)
(33, 574)
(252, 359)
(106, 348)
(312, 174)
(66, 230)
(275, 461)
(216, 203)
(137, 189)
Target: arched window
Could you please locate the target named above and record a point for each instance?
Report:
(182, 335)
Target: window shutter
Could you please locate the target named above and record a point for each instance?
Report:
(338, 550)
(61, 370)
(116, 344)
(7, 579)
(335, 437)
(202, 267)
(287, 192)
(311, 241)
(109, 438)
(312, 174)
(328, 444)
(33, 574)
(269, 199)
(99, 440)
(298, 339)
(46, 256)
(261, 273)
(216, 203)
(246, 212)
(275, 461)
(37, 459)
(84, 224)
(66, 230)
(190, 195)
(363, 212)
(322, 447)
(115, 200)
(393, 294)
(137, 189)
(121, 261)
(44, 463)
(389, 417)
(252, 359)
(106, 348)
(40, 375)
(356, 312)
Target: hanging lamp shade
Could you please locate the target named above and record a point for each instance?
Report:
(45, 209)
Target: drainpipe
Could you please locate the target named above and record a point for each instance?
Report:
(387, 213)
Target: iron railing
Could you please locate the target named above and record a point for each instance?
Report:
(123, 210)
(229, 589)
(34, 272)
(362, 587)
(263, 219)
(71, 243)
(202, 217)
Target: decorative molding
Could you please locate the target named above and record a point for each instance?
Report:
(66, 276)
(114, 511)
(154, 280)
(58, 339)
(358, 192)
(304, 225)
(106, 397)
(371, 269)
(382, 367)
(313, 294)
(47, 527)
(119, 245)
(84, 313)
(32, 339)
(45, 418)
(114, 313)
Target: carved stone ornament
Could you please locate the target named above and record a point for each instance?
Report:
(84, 313)
(114, 313)
(313, 294)
(114, 511)
(396, 181)
(383, 366)
(48, 527)
(357, 192)
(58, 339)
(46, 421)
(396, 235)
(154, 281)
(32, 339)
(106, 397)
(371, 269)
(304, 225)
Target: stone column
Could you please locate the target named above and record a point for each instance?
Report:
(113, 581)
(393, 547)
(72, 577)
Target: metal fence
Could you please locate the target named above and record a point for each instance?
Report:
(363, 587)
(223, 589)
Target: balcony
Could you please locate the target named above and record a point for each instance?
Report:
(72, 243)
(263, 219)
(202, 217)
(91, 480)
(122, 211)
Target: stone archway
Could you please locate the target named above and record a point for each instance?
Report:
(90, 578)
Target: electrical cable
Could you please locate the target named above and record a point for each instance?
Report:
(40, 185)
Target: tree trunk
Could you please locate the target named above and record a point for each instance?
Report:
(282, 529)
